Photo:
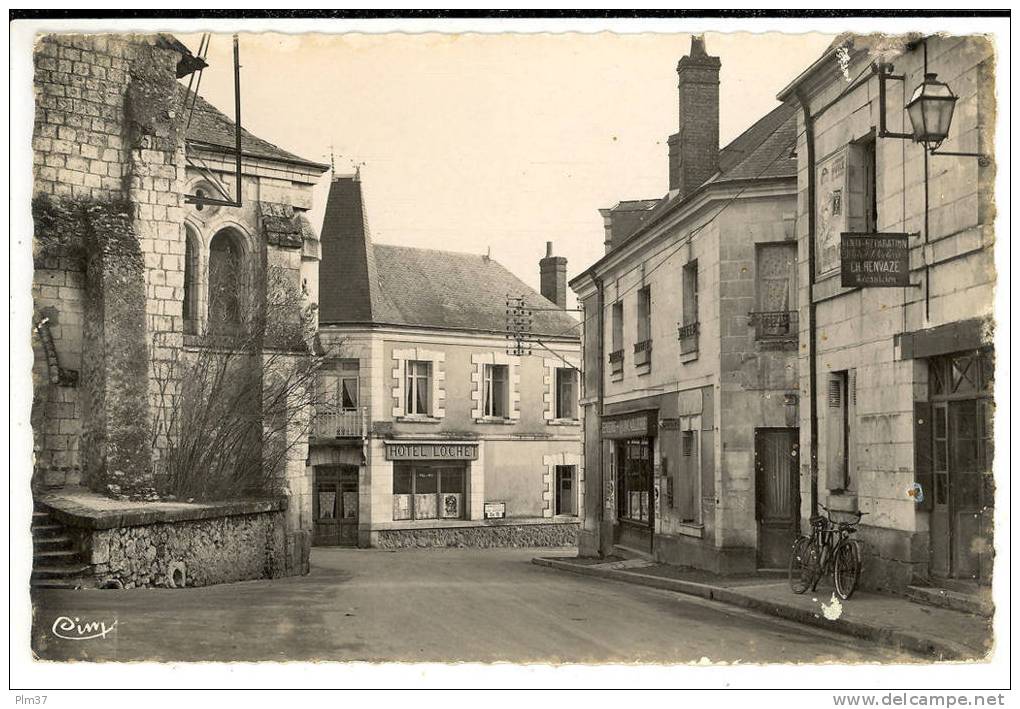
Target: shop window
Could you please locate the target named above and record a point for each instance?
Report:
(427, 491)
(566, 393)
(419, 388)
(634, 472)
(496, 390)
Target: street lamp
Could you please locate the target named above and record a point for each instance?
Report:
(931, 112)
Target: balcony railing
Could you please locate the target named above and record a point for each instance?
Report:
(616, 362)
(341, 424)
(688, 335)
(643, 353)
(774, 324)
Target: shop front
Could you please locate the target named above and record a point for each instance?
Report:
(431, 481)
(630, 439)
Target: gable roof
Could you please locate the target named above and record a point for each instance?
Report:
(213, 129)
(381, 284)
(762, 152)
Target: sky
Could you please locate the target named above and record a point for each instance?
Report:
(501, 142)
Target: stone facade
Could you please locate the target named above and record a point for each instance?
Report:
(884, 339)
(122, 262)
(689, 349)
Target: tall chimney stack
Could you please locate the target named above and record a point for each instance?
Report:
(553, 275)
(694, 150)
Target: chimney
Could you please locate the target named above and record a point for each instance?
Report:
(622, 220)
(694, 150)
(553, 273)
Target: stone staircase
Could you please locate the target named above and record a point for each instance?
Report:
(56, 562)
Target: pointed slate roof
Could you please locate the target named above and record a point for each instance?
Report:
(365, 283)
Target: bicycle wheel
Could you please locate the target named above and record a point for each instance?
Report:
(846, 569)
(803, 560)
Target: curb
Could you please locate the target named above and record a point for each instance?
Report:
(898, 639)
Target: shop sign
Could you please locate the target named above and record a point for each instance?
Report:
(431, 451)
(494, 510)
(875, 260)
(631, 426)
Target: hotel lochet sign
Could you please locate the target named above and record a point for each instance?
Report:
(874, 260)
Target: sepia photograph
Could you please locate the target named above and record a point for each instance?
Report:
(534, 350)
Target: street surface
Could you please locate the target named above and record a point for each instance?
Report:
(431, 605)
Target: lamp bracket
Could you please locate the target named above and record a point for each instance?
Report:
(884, 72)
(983, 159)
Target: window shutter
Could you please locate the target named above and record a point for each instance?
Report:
(835, 475)
(923, 465)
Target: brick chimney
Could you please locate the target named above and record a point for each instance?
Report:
(553, 275)
(694, 150)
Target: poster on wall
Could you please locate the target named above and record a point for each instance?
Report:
(830, 217)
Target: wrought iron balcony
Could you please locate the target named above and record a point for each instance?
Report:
(774, 324)
(688, 335)
(616, 361)
(341, 424)
(643, 352)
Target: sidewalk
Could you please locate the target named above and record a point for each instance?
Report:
(940, 633)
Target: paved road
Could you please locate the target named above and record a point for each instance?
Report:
(431, 605)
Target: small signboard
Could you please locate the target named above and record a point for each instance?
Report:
(494, 510)
(875, 260)
(638, 425)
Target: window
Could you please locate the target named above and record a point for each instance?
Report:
(496, 390)
(644, 314)
(841, 407)
(862, 207)
(347, 394)
(566, 396)
(565, 494)
(616, 353)
(190, 309)
(428, 491)
(226, 282)
(776, 282)
(617, 326)
(689, 328)
(419, 385)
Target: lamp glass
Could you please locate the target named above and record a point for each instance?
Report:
(931, 111)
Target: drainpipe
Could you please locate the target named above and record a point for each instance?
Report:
(809, 137)
(600, 298)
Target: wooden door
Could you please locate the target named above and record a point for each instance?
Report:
(327, 506)
(348, 536)
(777, 494)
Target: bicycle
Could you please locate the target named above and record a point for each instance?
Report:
(830, 548)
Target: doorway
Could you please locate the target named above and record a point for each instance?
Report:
(335, 506)
(777, 494)
(634, 501)
(963, 501)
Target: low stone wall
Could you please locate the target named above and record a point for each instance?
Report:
(189, 553)
(488, 536)
(131, 544)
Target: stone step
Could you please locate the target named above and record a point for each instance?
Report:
(977, 603)
(70, 582)
(52, 570)
(56, 555)
(59, 541)
(46, 529)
